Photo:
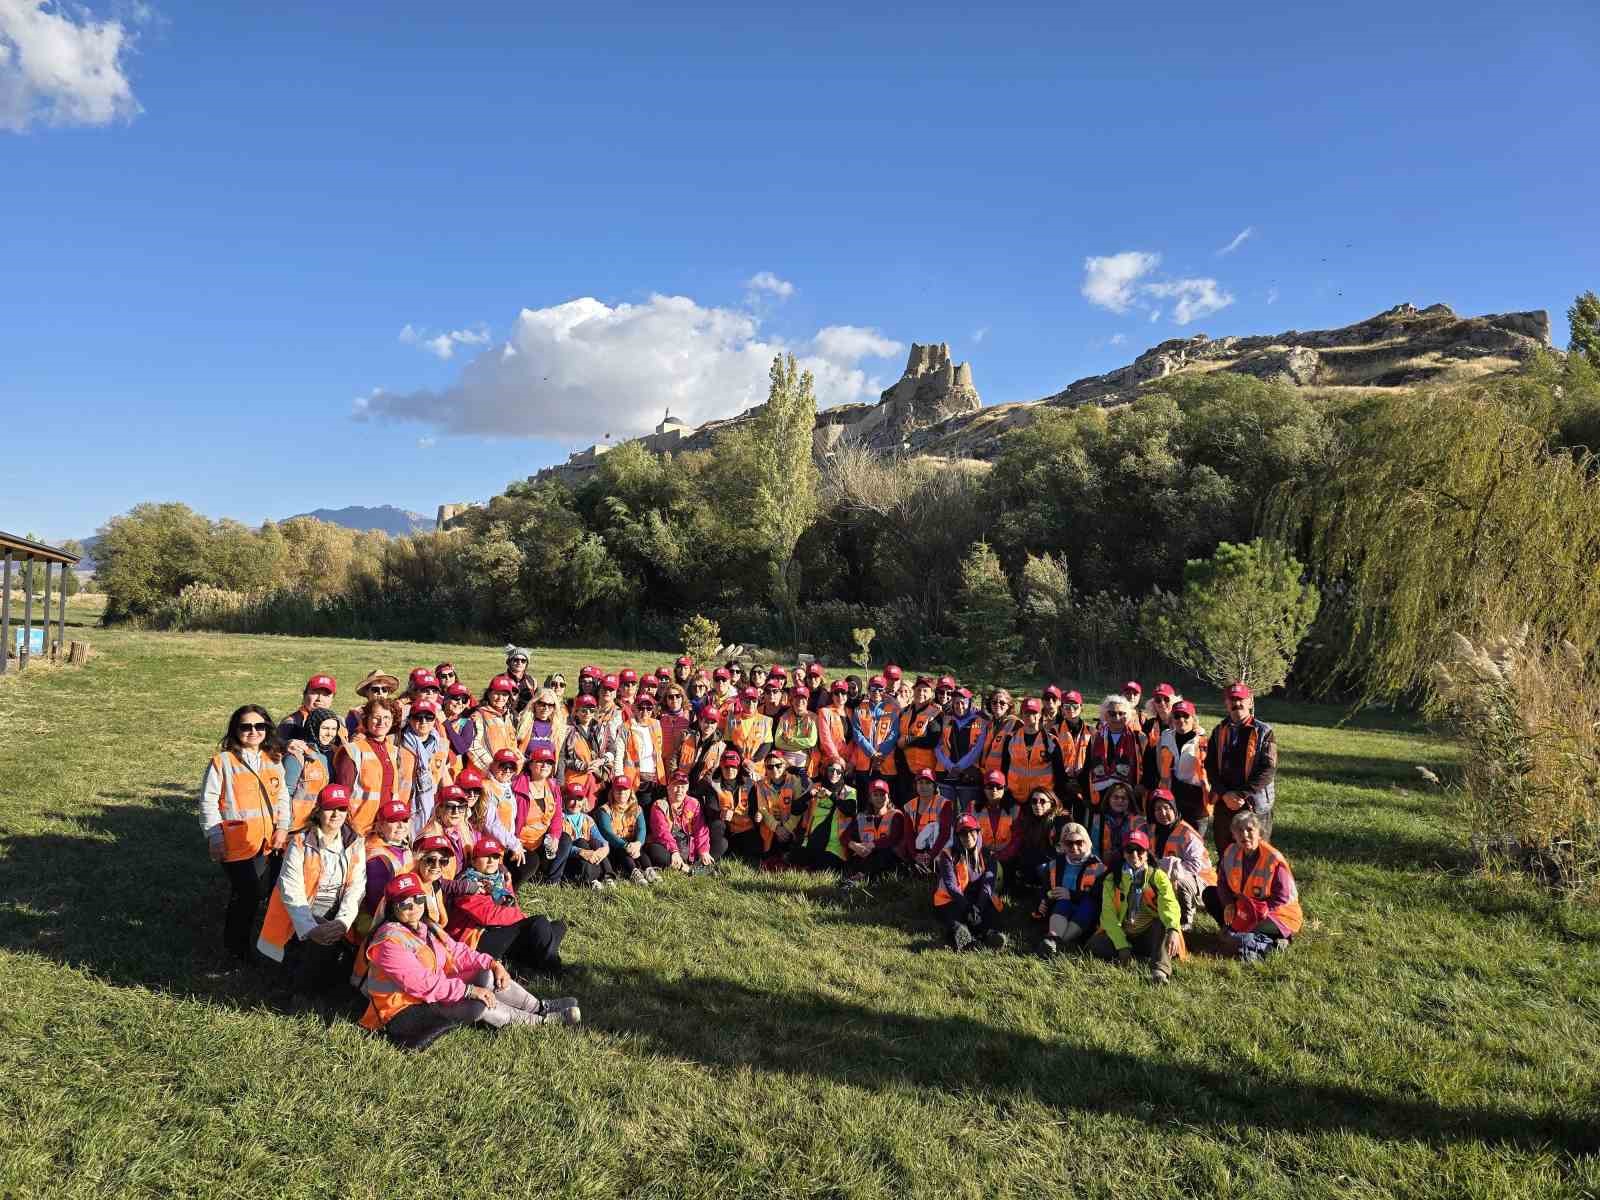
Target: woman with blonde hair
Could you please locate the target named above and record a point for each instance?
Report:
(1115, 753)
(999, 722)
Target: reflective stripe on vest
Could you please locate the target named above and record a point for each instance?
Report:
(246, 804)
(1258, 884)
(385, 995)
(1030, 766)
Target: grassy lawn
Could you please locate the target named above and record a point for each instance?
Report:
(1432, 1034)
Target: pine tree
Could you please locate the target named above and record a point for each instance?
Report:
(985, 617)
(1583, 319)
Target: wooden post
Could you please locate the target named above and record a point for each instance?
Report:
(27, 616)
(46, 622)
(5, 616)
(61, 614)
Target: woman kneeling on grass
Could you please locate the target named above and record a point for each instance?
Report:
(964, 898)
(1072, 892)
(421, 982)
(1139, 912)
(486, 915)
(1255, 900)
(242, 790)
(678, 837)
(316, 899)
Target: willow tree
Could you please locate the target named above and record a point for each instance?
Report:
(1434, 514)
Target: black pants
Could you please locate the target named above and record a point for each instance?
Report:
(975, 911)
(658, 855)
(418, 1026)
(882, 861)
(533, 942)
(1025, 874)
(581, 870)
(747, 845)
(719, 838)
(624, 864)
(1149, 944)
(536, 866)
(249, 884)
(312, 969)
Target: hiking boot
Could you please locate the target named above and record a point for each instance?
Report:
(557, 1004)
(595, 885)
(609, 881)
(962, 937)
(995, 940)
(637, 876)
(1160, 979)
(1049, 948)
(652, 875)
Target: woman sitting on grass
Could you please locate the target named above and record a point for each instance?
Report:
(1071, 901)
(422, 983)
(316, 899)
(590, 861)
(1112, 822)
(964, 898)
(539, 827)
(240, 794)
(1033, 844)
(878, 841)
(678, 837)
(486, 914)
(621, 823)
(1139, 912)
(1255, 900)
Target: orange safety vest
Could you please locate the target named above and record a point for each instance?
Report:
(1187, 765)
(504, 801)
(747, 734)
(624, 823)
(633, 756)
(776, 806)
(405, 769)
(914, 723)
(1074, 746)
(735, 811)
(831, 720)
(1107, 838)
(278, 927)
(924, 816)
(542, 811)
(385, 996)
(577, 747)
(367, 794)
(963, 873)
(494, 732)
(1258, 884)
(995, 734)
(1030, 765)
(246, 804)
(1113, 763)
(998, 820)
(872, 828)
(1182, 837)
(875, 730)
(313, 778)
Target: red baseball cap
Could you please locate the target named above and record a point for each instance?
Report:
(995, 779)
(322, 683)
(799, 691)
(877, 681)
(1137, 838)
(948, 681)
(450, 791)
(710, 712)
(1133, 686)
(393, 810)
(609, 683)
(645, 700)
(1032, 704)
(589, 673)
(1053, 692)
(1162, 794)
(923, 681)
(628, 675)
(879, 785)
(814, 671)
(418, 674)
(722, 673)
(506, 757)
(1165, 690)
(584, 701)
(680, 776)
(423, 706)
(469, 778)
(458, 691)
(964, 693)
(685, 661)
(576, 790)
(839, 685)
(968, 824)
(401, 886)
(502, 683)
(927, 774)
(333, 795)
(544, 754)
(777, 672)
(1073, 697)
(731, 758)
(1183, 708)
(750, 693)
(429, 842)
(1239, 691)
(486, 846)
(621, 784)
(893, 672)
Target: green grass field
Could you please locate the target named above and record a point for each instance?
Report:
(1433, 1034)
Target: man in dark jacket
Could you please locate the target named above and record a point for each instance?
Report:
(1241, 766)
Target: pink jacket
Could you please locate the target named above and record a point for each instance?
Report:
(432, 986)
(694, 827)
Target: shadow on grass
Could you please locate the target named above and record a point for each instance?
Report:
(1372, 846)
(851, 1044)
(132, 899)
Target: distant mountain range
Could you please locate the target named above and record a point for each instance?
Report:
(386, 518)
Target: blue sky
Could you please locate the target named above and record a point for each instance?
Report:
(215, 246)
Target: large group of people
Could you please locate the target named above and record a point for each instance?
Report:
(388, 844)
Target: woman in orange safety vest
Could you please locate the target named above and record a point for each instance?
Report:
(1256, 900)
(366, 762)
(241, 790)
(964, 898)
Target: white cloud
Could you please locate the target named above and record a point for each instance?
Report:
(849, 344)
(766, 281)
(55, 70)
(1272, 295)
(574, 371)
(444, 345)
(979, 335)
(1118, 338)
(1195, 297)
(1110, 281)
(427, 443)
(1119, 282)
(1238, 240)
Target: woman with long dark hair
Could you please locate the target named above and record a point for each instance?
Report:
(241, 791)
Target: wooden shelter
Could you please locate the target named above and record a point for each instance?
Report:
(23, 554)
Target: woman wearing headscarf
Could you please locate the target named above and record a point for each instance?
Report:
(1139, 912)
(830, 806)
(240, 793)
(423, 983)
(964, 899)
(421, 762)
(308, 767)
(317, 897)
(486, 915)
(1071, 901)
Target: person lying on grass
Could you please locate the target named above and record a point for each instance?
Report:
(489, 918)
(421, 982)
(1071, 901)
(964, 897)
(1139, 912)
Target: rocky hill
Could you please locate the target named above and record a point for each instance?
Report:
(935, 410)
(384, 518)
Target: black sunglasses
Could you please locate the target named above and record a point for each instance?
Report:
(423, 717)
(252, 726)
(406, 901)
(433, 860)
(454, 806)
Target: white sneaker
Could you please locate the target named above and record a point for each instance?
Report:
(637, 876)
(596, 885)
(610, 883)
(652, 874)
